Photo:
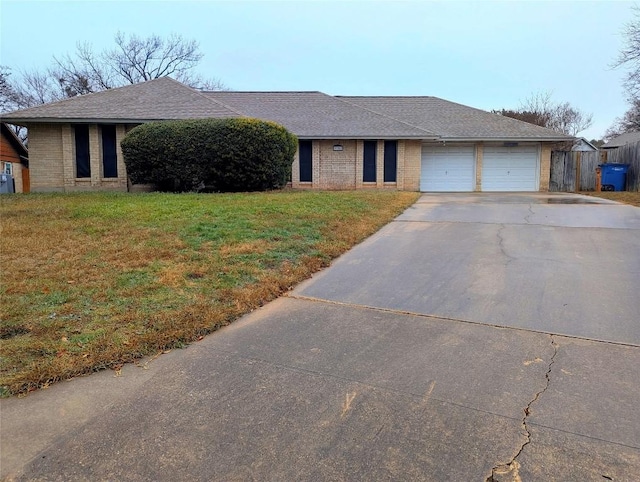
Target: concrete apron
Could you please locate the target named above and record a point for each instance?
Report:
(326, 389)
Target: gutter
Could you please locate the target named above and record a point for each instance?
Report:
(57, 120)
(506, 139)
(365, 138)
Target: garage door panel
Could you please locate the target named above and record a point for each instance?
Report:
(510, 168)
(447, 169)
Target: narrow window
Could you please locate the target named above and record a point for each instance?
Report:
(109, 164)
(306, 163)
(369, 161)
(390, 160)
(83, 166)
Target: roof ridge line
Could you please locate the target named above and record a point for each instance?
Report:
(385, 115)
(215, 101)
(390, 96)
(263, 92)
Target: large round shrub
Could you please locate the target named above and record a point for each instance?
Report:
(239, 154)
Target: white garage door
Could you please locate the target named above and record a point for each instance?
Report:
(510, 168)
(448, 169)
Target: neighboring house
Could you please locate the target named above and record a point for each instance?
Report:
(583, 145)
(14, 158)
(622, 140)
(407, 143)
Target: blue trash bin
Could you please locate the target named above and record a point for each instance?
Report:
(614, 176)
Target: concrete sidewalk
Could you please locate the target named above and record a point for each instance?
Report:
(328, 389)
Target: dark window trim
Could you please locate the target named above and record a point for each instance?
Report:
(305, 160)
(390, 161)
(82, 151)
(369, 155)
(109, 151)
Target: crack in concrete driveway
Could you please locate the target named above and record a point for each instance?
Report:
(511, 469)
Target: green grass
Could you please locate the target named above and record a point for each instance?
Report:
(91, 281)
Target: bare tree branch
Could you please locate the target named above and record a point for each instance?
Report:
(629, 56)
(541, 110)
(629, 122)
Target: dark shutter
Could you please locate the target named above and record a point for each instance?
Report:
(306, 163)
(109, 162)
(369, 161)
(390, 160)
(83, 166)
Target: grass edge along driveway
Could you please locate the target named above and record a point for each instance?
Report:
(94, 280)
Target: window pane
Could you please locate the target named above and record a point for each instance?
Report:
(390, 160)
(83, 166)
(369, 161)
(109, 162)
(306, 162)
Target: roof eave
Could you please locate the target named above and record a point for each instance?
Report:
(506, 139)
(22, 121)
(368, 137)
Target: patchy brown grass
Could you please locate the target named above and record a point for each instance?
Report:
(626, 197)
(92, 281)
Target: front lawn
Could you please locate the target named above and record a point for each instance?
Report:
(626, 197)
(91, 281)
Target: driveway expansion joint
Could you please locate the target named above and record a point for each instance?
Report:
(510, 470)
(313, 299)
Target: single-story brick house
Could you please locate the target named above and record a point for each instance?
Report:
(406, 143)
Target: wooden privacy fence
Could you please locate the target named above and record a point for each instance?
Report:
(568, 167)
(628, 154)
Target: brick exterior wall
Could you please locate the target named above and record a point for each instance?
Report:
(52, 163)
(479, 157)
(46, 157)
(52, 160)
(412, 165)
(336, 169)
(344, 169)
(545, 166)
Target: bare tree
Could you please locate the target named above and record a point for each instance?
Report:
(7, 92)
(629, 122)
(138, 59)
(570, 120)
(630, 55)
(541, 110)
(83, 73)
(134, 59)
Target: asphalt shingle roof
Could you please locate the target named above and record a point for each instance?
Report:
(318, 115)
(306, 114)
(621, 140)
(158, 99)
(453, 121)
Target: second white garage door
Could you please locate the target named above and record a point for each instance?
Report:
(448, 169)
(510, 168)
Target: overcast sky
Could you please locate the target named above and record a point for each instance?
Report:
(488, 55)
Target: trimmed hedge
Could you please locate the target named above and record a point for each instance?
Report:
(223, 155)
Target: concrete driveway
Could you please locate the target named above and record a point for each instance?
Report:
(553, 263)
(477, 337)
